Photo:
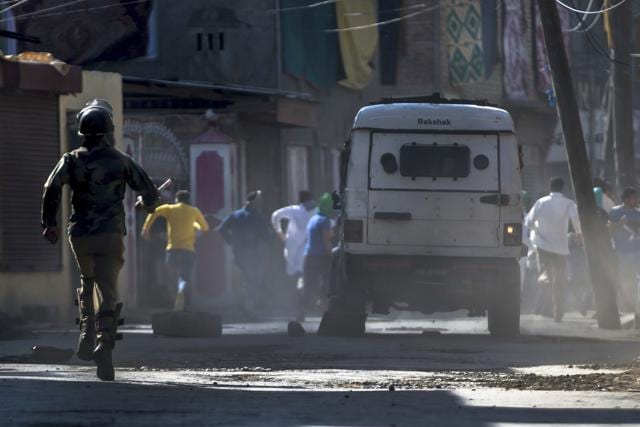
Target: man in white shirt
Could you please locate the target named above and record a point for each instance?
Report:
(295, 238)
(548, 220)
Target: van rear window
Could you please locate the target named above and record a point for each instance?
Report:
(435, 161)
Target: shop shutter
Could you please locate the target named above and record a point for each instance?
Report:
(29, 149)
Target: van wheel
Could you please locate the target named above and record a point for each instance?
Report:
(504, 308)
(347, 313)
(342, 324)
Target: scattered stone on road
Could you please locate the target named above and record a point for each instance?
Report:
(295, 329)
(255, 374)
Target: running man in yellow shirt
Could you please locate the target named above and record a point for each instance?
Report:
(182, 222)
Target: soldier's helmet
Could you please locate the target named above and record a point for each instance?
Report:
(100, 103)
(94, 120)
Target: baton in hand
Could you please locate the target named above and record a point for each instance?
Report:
(162, 187)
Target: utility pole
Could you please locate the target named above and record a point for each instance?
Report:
(622, 27)
(597, 243)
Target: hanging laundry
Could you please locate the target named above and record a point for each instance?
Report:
(489, 35)
(389, 38)
(358, 45)
(463, 25)
(607, 24)
(308, 50)
(516, 52)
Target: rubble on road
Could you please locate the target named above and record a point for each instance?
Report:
(624, 380)
(295, 329)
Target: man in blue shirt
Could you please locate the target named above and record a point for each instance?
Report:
(243, 230)
(317, 255)
(625, 226)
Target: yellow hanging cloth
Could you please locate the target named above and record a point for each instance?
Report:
(357, 46)
(607, 24)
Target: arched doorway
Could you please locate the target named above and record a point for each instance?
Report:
(163, 156)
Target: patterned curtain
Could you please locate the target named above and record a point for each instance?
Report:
(463, 25)
(516, 52)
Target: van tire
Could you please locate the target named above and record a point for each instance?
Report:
(347, 313)
(504, 308)
(342, 324)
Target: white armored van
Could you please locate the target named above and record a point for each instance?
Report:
(431, 214)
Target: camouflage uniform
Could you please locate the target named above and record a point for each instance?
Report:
(97, 174)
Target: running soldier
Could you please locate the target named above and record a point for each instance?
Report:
(98, 175)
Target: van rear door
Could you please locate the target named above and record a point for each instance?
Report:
(429, 189)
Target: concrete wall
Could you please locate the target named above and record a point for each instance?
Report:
(53, 291)
(264, 162)
(245, 28)
(46, 290)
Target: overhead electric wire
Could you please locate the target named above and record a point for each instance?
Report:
(306, 6)
(47, 9)
(12, 6)
(595, 45)
(602, 51)
(397, 9)
(2, 3)
(590, 12)
(584, 30)
(326, 2)
(69, 12)
(580, 23)
(381, 23)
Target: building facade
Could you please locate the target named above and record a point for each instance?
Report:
(38, 102)
(262, 95)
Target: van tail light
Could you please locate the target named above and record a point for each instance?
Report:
(512, 234)
(353, 230)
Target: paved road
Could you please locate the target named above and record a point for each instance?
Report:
(453, 374)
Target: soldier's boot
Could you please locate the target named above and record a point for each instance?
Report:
(87, 322)
(108, 322)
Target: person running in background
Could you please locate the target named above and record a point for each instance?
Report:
(290, 223)
(625, 226)
(604, 195)
(317, 255)
(295, 237)
(528, 263)
(548, 221)
(244, 230)
(182, 222)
